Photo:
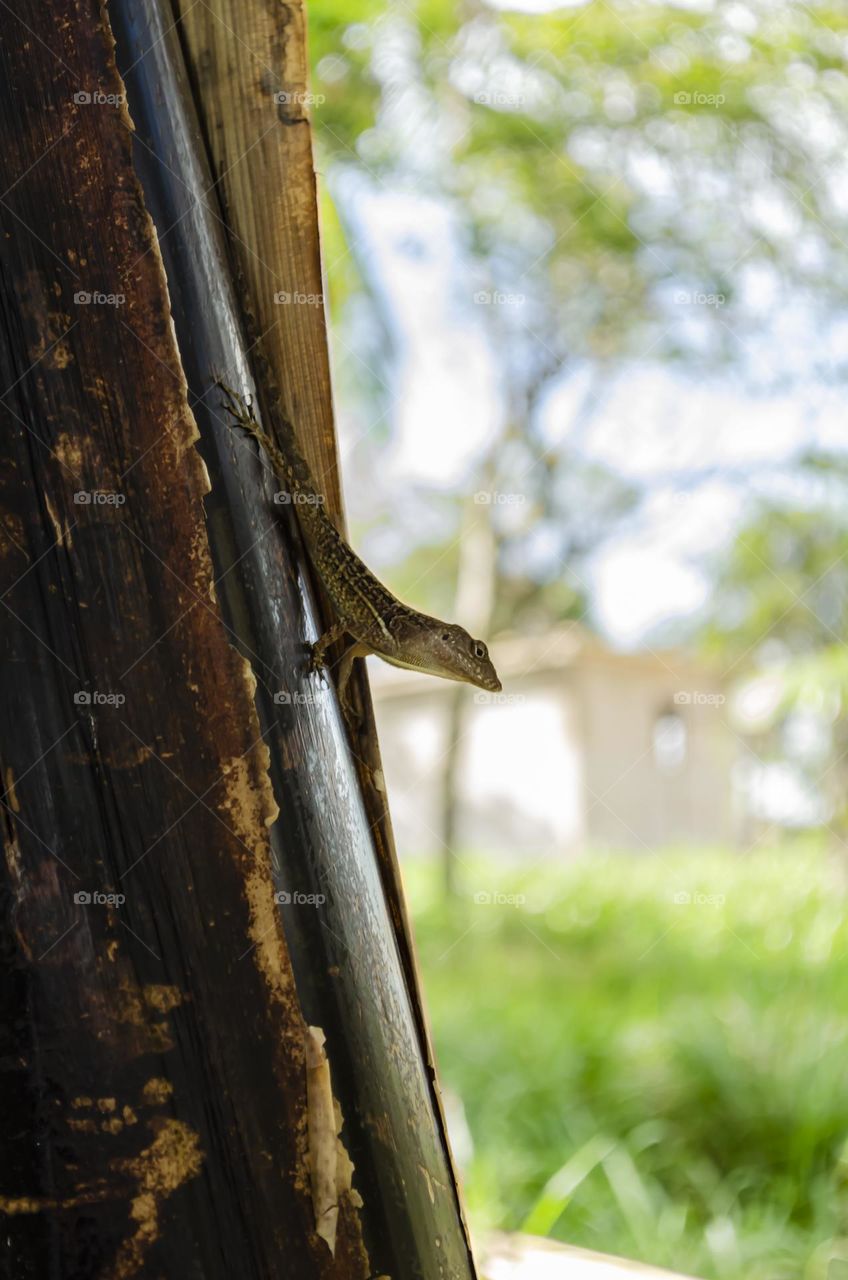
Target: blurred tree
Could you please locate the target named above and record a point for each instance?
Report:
(622, 181)
(780, 613)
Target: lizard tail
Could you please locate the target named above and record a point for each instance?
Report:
(288, 463)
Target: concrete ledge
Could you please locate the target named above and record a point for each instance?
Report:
(516, 1257)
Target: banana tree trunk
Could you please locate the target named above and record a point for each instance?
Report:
(214, 1058)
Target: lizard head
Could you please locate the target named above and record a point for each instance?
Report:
(443, 649)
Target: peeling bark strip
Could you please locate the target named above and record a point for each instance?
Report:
(248, 61)
(330, 1168)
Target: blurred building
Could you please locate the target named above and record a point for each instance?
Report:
(584, 748)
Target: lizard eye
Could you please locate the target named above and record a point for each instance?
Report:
(446, 636)
(480, 650)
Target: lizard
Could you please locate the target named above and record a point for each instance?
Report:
(374, 619)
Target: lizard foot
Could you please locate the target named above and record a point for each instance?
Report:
(318, 654)
(317, 659)
(238, 406)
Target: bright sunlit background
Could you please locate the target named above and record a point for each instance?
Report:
(588, 280)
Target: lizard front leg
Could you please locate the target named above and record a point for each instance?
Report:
(317, 661)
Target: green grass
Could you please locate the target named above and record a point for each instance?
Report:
(663, 1080)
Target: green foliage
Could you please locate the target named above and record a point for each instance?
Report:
(780, 613)
(597, 152)
(655, 1078)
(783, 585)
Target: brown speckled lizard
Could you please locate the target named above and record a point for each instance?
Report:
(366, 611)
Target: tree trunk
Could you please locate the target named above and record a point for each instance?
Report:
(205, 969)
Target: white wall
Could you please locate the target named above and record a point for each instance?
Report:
(520, 769)
(562, 761)
(632, 801)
